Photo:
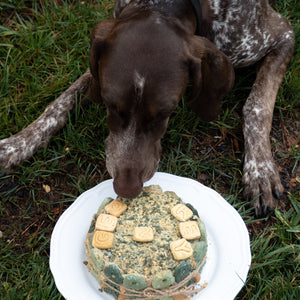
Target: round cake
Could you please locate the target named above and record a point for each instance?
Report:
(149, 247)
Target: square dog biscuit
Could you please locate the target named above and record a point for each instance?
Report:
(115, 208)
(102, 239)
(181, 212)
(106, 222)
(189, 230)
(181, 249)
(143, 234)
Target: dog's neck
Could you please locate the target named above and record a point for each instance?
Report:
(198, 12)
(185, 12)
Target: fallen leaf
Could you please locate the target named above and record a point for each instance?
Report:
(46, 188)
(56, 211)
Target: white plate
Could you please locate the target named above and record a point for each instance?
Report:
(229, 255)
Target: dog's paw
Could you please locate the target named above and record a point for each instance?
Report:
(8, 154)
(14, 150)
(262, 185)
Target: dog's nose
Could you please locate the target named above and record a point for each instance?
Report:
(127, 184)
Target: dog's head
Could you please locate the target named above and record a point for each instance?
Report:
(141, 68)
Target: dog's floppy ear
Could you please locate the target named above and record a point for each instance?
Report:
(212, 77)
(98, 36)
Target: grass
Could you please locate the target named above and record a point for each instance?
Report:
(44, 47)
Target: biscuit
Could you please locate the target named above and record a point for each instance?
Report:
(181, 212)
(181, 249)
(115, 208)
(106, 222)
(189, 230)
(102, 239)
(104, 203)
(143, 234)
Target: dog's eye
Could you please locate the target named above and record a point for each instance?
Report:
(110, 107)
(158, 124)
(162, 116)
(114, 122)
(116, 119)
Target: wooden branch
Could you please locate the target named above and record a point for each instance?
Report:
(17, 148)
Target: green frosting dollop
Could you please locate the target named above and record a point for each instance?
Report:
(162, 280)
(135, 282)
(113, 273)
(182, 271)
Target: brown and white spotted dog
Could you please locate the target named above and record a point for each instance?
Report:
(141, 62)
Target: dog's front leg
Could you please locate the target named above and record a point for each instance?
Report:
(261, 177)
(22, 145)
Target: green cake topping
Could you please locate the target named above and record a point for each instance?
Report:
(129, 267)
